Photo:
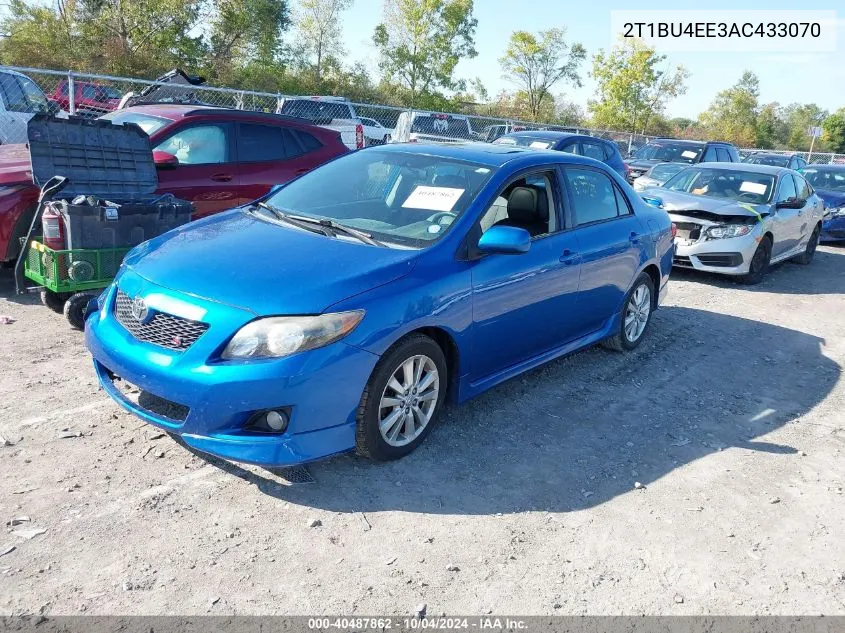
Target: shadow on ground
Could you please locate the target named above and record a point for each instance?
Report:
(581, 430)
(823, 276)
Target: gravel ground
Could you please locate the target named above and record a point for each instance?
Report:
(702, 474)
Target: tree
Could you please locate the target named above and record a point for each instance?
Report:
(633, 86)
(798, 117)
(420, 43)
(535, 63)
(733, 114)
(834, 131)
(246, 31)
(319, 29)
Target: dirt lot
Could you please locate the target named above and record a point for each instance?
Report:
(731, 417)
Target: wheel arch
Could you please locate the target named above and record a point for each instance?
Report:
(446, 341)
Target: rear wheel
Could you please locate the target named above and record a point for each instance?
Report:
(635, 316)
(53, 300)
(806, 257)
(402, 399)
(759, 263)
(74, 308)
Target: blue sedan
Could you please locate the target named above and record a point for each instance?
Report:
(581, 144)
(829, 182)
(341, 311)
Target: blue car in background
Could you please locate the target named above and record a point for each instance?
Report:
(342, 310)
(829, 183)
(599, 149)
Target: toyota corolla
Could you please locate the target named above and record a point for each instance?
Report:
(342, 310)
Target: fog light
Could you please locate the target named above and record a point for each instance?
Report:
(275, 420)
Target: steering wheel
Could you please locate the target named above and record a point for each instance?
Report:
(437, 217)
(747, 193)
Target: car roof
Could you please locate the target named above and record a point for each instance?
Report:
(8, 71)
(771, 170)
(550, 134)
(773, 154)
(487, 154)
(176, 111)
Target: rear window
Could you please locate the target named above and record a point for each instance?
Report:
(441, 125)
(670, 152)
(526, 141)
(320, 112)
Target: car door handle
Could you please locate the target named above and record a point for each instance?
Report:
(568, 257)
(222, 177)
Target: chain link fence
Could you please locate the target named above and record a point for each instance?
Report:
(360, 124)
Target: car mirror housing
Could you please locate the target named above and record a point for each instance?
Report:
(164, 160)
(790, 203)
(507, 240)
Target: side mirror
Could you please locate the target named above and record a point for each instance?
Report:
(507, 240)
(791, 203)
(165, 160)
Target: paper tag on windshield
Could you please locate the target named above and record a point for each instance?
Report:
(539, 145)
(433, 198)
(689, 154)
(753, 187)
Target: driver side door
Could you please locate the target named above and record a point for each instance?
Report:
(785, 222)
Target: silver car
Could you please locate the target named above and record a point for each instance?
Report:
(737, 219)
(657, 175)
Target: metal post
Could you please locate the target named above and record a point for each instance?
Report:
(71, 93)
(812, 142)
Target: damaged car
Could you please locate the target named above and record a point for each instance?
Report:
(738, 219)
(829, 182)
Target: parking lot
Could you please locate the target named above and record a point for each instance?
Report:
(703, 473)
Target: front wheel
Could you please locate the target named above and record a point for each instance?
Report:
(806, 257)
(75, 306)
(402, 399)
(54, 300)
(759, 263)
(635, 316)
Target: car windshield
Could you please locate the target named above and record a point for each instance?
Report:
(440, 125)
(400, 198)
(768, 159)
(670, 152)
(150, 124)
(526, 141)
(665, 171)
(733, 184)
(826, 179)
(316, 111)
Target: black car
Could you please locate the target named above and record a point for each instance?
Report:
(667, 150)
(790, 161)
(598, 148)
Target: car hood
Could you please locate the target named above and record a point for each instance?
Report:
(643, 163)
(679, 202)
(15, 168)
(832, 199)
(239, 260)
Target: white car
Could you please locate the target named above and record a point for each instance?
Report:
(20, 100)
(657, 175)
(738, 219)
(333, 113)
(375, 132)
(432, 127)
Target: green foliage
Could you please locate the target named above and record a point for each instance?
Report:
(535, 63)
(733, 114)
(420, 43)
(319, 32)
(834, 131)
(633, 87)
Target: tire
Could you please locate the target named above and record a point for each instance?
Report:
(74, 309)
(806, 257)
(373, 442)
(759, 263)
(53, 300)
(639, 305)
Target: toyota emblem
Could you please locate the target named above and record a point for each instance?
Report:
(139, 309)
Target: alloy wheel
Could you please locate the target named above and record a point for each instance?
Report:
(408, 401)
(637, 313)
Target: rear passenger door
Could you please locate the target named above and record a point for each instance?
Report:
(207, 174)
(271, 155)
(610, 240)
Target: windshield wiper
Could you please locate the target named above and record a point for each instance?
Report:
(339, 228)
(293, 220)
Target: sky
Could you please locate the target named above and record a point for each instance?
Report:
(784, 77)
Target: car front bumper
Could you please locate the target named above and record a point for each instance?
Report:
(833, 229)
(731, 256)
(214, 400)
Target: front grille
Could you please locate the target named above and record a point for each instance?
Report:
(682, 261)
(724, 260)
(689, 231)
(164, 330)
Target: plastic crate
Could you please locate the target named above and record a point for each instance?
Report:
(72, 270)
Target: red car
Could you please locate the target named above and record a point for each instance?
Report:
(214, 157)
(88, 97)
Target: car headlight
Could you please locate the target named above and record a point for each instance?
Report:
(723, 231)
(276, 337)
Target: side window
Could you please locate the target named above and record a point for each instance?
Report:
(528, 203)
(710, 155)
(722, 155)
(594, 198)
(260, 143)
(592, 150)
(89, 91)
(63, 89)
(12, 94)
(786, 189)
(734, 154)
(571, 148)
(198, 145)
(802, 187)
(308, 141)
